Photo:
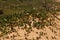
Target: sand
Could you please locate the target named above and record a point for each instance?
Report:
(47, 33)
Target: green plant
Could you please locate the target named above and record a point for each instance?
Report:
(44, 10)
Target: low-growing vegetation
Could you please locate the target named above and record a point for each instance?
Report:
(46, 14)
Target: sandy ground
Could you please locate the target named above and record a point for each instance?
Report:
(48, 33)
